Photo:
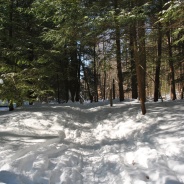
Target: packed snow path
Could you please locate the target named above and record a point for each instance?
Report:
(93, 144)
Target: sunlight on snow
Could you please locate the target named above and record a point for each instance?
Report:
(93, 144)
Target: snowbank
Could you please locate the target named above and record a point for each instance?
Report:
(93, 144)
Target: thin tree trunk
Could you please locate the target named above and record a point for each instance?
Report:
(181, 82)
(87, 83)
(133, 68)
(110, 97)
(95, 76)
(113, 89)
(140, 80)
(58, 89)
(105, 72)
(172, 73)
(77, 98)
(142, 58)
(182, 92)
(64, 66)
(118, 54)
(140, 61)
(74, 80)
(66, 90)
(104, 86)
(158, 64)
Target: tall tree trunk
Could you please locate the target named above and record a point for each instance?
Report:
(66, 93)
(78, 76)
(110, 96)
(118, 53)
(104, 86)
(74, 74)
(182, 92)
(77, 97)
(140, 60)
(87, 83)
(171, 66)
(181, 51)
(63, 69)
(140, 79)
(113, 89)
(182, 81)
(158, 64)
(58, 89)
(77, 91)
(133, 68)
(95, 75)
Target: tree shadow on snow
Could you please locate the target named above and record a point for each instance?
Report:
(12, 178)
(172, 182)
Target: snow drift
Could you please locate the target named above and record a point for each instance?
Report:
(92, 144)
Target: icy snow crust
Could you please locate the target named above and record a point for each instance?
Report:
(93, 144)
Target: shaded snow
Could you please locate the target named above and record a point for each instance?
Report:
(93, 144)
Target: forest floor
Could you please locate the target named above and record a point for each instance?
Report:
(93, 143)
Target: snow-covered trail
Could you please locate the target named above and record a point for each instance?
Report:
(93, 144)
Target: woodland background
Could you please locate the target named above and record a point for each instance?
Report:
(91, 50)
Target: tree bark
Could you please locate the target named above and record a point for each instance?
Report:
(110, 97)
(133, 68)
(118, 53)
(140, 62)
(77, 98)
(104, 85)
(58, 89)
(142, 58)
(140, 79)
(182, 81)
(95, 76)
(113, 89)
(158, 63)
(87, 83)
(172, 73)
(74, 75)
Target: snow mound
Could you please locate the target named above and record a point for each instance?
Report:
(92, 144)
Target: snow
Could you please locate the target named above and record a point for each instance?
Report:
(93, 143)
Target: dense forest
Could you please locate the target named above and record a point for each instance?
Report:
(91, 50)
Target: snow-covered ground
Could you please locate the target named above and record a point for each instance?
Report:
(93, 144)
